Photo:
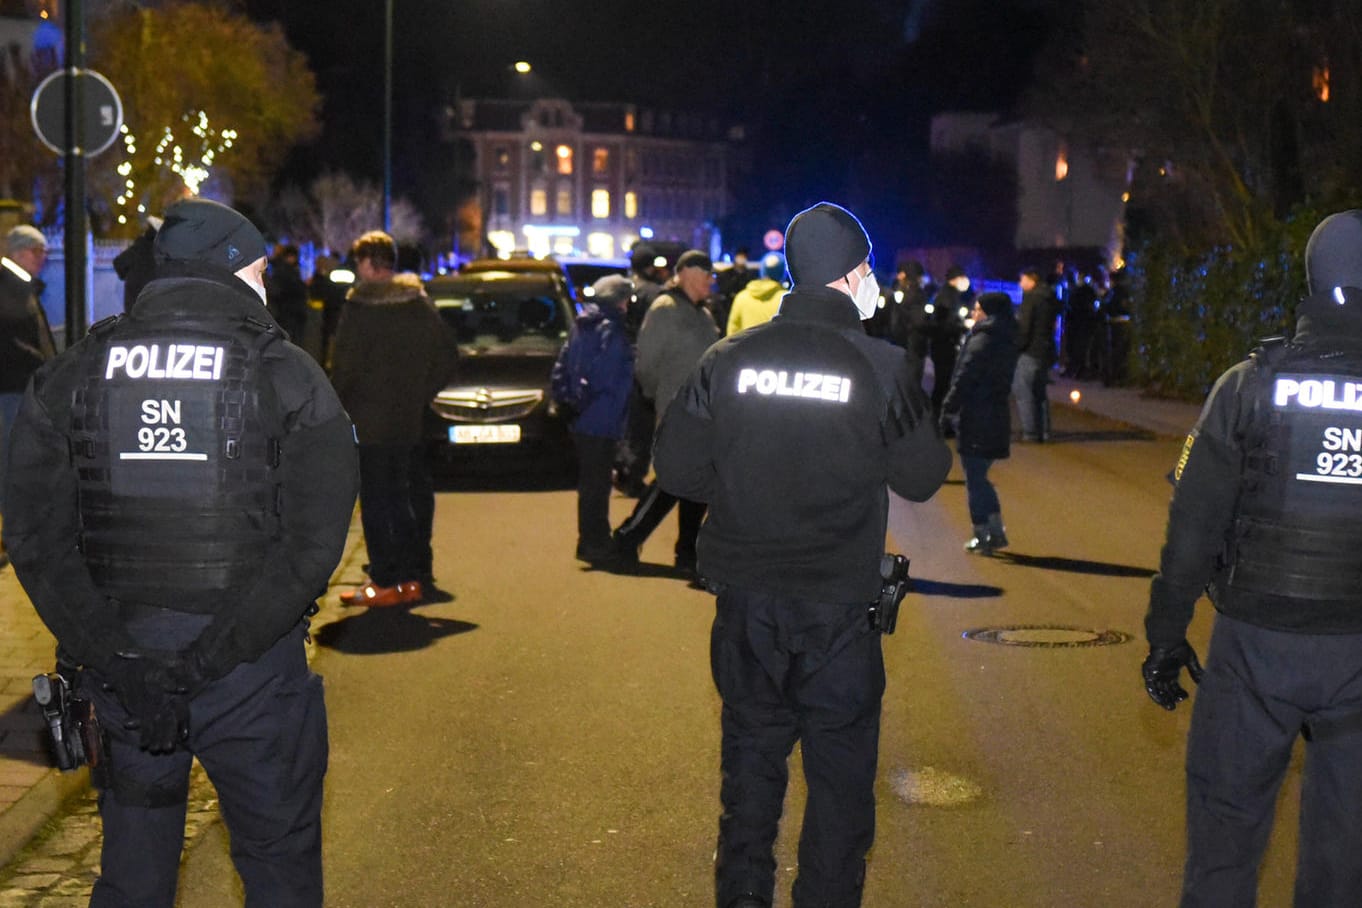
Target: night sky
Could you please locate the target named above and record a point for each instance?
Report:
(835, 97)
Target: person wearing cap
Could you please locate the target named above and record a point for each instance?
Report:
(25, 337)
(945, 329)
(595, 369)
(676, 332)
(908, 315)
(794, 432)
(181, 485)
(978, 408)
(1265, 518)
(393, 354)
(648, 269)
(759, 301)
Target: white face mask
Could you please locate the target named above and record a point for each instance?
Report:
(867, 296)
(256, 285)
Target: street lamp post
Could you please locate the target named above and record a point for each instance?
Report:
(387, 119)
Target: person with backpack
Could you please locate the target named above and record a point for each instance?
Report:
(592, 379)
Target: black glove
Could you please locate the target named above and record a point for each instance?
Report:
(157, 702)
(1161, 671)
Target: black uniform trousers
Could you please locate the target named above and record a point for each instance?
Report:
(792, 670)
(595, 461)
(1263, 688)
(260, 733)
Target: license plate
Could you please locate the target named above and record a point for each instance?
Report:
(484, 435)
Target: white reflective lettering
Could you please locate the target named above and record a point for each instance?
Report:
(173, 361)
(118, 357)
(808, 385)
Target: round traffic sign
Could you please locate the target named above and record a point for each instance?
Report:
(101, 111)
(773, 240)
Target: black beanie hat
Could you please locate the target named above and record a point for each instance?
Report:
(823, 243)
(201, 230)
(995, 303)
(1333, 257)
(1333, 271)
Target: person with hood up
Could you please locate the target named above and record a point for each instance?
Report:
(793, 432)
(1266, 517)
(759, 301)
(592, 378)
(977, 404)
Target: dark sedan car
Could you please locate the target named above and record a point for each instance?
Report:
(510, 327)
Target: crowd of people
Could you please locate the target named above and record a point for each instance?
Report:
(776, 420)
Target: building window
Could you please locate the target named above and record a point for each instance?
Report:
(564, 154)
(564, 200)
(601, 245)
(628, 121)
(631, 205)
(501, 200)
(600, 203)
(1061, 163)
(539, 201)
(600, 161)
(538, 162)
(1320, 82)
(502, 156)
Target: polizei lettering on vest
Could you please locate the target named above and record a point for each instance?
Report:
(808, 385)
(1317, 394)
(171, 361)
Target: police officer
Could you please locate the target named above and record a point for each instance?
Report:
(1267, 517)
(791, 432)
(182, 482)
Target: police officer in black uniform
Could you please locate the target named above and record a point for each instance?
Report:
(792, 432)
(1267, 517)
(181, 485)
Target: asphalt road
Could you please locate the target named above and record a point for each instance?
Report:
(550, 737)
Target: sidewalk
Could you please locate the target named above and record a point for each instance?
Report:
(31, 791)
(1127, 405)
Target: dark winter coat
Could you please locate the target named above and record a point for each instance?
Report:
(980, 387)
(945, 324)
(25, 338)
(1036, 324)
(609, 372)
(393, 353)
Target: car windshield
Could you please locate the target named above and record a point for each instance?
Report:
(523, 321)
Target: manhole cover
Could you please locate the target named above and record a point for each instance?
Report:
(1046, 635)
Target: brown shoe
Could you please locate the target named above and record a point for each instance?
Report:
(384, 596)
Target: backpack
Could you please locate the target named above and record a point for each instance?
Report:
(568, 383)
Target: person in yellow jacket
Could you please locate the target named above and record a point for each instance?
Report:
(759, 301)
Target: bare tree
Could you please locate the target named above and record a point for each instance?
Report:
(1237, 109)
(335, 209)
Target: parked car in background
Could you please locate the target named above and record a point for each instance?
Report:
(583, 272)
(510, 326)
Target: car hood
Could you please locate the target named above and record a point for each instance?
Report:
(495, 368)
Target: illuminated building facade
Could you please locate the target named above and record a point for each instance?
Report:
(556, 177)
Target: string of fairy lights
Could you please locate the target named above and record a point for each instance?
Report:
(193, 166)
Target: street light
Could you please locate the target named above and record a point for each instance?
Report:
(388, 118)
(522, 67)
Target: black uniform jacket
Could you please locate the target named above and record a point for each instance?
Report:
(319, 478)
(791, 432)
(1207, 483)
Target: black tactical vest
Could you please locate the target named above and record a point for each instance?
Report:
(175, 438)
(1298, 528)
